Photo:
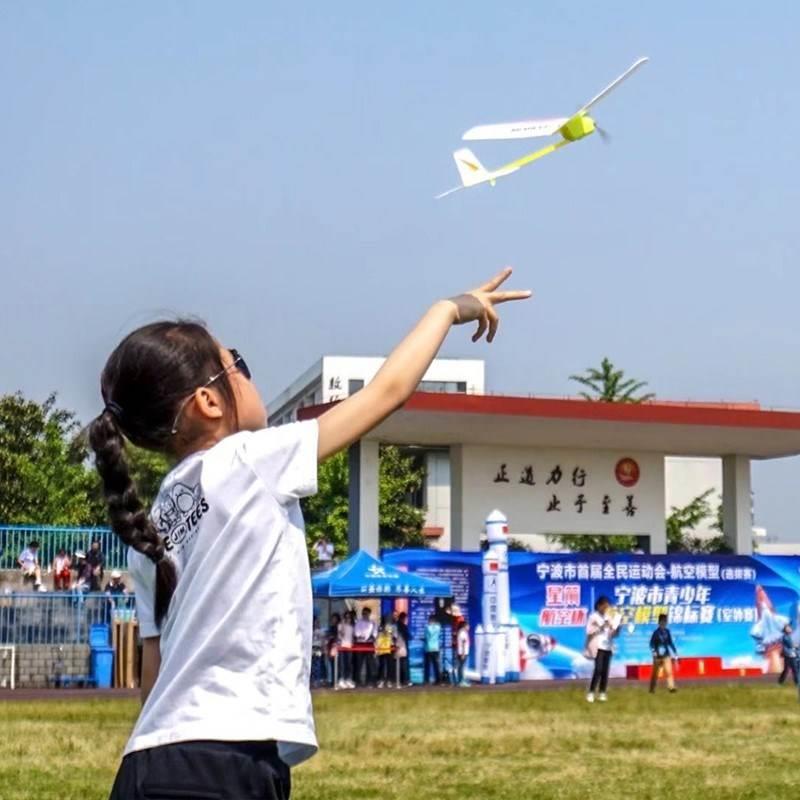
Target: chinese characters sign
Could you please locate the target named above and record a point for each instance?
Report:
(730, 607)
(564, 491)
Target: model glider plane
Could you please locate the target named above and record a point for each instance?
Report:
(571, 129)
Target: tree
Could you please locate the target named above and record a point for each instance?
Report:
(683, 521)
(43, 475)
(586, 543)
(400, 522)
(609, 385)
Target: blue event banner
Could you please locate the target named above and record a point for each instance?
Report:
(730, 607)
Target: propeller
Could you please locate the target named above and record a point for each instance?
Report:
(604, 134)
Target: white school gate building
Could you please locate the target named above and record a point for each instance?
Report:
(565, 465)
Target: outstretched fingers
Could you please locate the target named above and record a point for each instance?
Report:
(501, 277)
(504, 297)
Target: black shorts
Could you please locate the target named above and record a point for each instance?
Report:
(204, 771)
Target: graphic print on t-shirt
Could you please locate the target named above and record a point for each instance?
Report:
(178, 511)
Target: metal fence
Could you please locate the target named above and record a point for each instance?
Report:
(15, 538)
(39, 618)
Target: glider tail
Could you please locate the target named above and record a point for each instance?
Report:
(469, 168)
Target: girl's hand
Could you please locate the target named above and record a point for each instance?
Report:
(478, 305)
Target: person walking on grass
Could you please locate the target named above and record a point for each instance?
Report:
(222, 578)
(665, 655)
(600, 633)
(790, 656)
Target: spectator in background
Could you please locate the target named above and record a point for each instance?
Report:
(62, 571)
(433, 633)
(462, 652)
(115, 586)
(383, 650)
(663, 650)
(789, 649)
(403, 638)
(83, 572)
(324, 551)
(29, 564)
(346, 639)
(317, 650)
(365, 634)
(96, 560)
(332, 649)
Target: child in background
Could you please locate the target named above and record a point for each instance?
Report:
(462, 652)
(660, 645)
(346, 634)
(62, 571)
(220, 563)
(383, 650)
(433, 634)
(600, 631)
(789, 650)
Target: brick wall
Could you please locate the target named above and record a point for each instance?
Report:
(37, 664)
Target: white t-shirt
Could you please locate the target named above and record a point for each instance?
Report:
(599, 629)
(462, 642)
(29, 559)
(345, 634)
(236, 642)
(365, 630)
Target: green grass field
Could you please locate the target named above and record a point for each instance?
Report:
(705, 742)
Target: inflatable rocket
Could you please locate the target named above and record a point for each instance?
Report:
(497, 639)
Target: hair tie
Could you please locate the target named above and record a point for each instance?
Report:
(114, 409)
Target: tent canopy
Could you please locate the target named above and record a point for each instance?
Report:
(362, 575)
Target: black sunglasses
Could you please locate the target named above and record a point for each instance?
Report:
(238, 363)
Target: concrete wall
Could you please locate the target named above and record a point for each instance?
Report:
(687, 478)
(437, 496)
(37, 664)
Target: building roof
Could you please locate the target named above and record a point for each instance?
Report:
(673, 428)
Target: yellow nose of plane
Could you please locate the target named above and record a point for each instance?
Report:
(577, 127)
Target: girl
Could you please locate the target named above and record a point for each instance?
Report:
(220, 564)
(62, 571)
(600, 631)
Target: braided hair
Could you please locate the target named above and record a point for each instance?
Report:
(150, 373)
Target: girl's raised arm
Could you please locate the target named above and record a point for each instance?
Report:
(402, 371)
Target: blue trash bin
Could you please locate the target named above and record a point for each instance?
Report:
(102, 663)
(99, 636)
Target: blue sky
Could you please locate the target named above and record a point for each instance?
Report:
(271, 167)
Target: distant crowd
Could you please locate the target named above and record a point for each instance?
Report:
(356, 651)
(81, 571)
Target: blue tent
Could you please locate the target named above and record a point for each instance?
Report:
(362, 575)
